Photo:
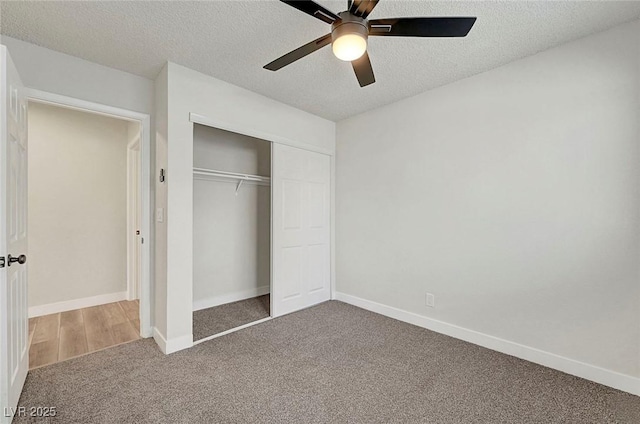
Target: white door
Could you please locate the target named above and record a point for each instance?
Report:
(301, 229)
(14, 357)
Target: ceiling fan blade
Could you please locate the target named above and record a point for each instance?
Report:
(314, 9)
(298, 53)
(362, 8)
(421, 27)
(364, 71)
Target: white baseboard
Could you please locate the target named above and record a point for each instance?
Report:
(160, 340)
(604, 376)
(172, 345)
(69, 305)
(210, 302)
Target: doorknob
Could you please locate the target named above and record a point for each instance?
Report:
(20, 259)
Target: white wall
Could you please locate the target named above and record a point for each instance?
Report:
(59, 73)
(231, 233)
(77, 205)
(513, 196)
(190, 91)
(230, 152)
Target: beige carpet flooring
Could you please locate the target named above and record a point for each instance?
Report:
(210, 321)
(333, 363)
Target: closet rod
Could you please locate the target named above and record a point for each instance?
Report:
(230, 175)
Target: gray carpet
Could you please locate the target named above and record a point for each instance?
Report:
(208, 322)
(330, 363)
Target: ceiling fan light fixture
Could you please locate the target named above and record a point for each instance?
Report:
(349, 38)
(349, 47)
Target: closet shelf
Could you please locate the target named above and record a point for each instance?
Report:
(230, 175)
(214, 174)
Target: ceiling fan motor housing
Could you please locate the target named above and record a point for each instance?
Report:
(349, 24)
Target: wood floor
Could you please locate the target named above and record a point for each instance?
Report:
(56, 337)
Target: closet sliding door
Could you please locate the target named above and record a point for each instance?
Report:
(300, 184)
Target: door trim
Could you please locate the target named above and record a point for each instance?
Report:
(145, 150)
(133, 218)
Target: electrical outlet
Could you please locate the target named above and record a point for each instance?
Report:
(431, 300)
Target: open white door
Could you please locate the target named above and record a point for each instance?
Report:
(14, 357)
(300, 184)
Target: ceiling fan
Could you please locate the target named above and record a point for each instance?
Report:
(351, 28)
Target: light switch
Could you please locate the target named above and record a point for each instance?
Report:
(160, 215)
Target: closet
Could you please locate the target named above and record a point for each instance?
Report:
(231, 230)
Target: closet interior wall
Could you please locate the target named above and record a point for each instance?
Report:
(231, 225)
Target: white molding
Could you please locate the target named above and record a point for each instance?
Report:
(134, 213)
(210, 302)
(83, 105)
(70, 305)
(172, 345)
(603, 376)
(244, 130)
(134, 144)
(332, 227)
(144, 119)
(160, 340)
(272, 303)
(233, 330)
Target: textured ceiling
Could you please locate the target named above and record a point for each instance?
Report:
(232, 40)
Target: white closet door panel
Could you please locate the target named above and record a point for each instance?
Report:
(294, 163)
(292, 273)
(292, 205)
(317, 213)
(317, 260)
(318, 167)
(318, 228)
(301, 229)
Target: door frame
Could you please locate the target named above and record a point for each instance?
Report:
(133, 217)
(145, 183)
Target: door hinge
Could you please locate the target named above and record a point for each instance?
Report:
(2, 261)
(142, 240)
